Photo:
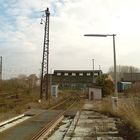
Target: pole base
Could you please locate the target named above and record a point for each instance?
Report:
(114, 103)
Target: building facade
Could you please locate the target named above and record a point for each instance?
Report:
(130, 77)
(75, 79)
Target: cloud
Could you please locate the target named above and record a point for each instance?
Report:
(21, 35)
(21, 40)
(79, 17)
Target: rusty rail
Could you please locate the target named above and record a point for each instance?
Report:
(46, 128)
(45, 131)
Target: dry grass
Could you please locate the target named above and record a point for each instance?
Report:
(127, 109)
(28, 101)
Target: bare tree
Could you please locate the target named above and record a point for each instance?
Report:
(32, 78)
(123, 69)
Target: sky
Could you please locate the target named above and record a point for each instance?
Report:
(21, 34)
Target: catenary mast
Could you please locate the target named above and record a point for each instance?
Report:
(44, 86)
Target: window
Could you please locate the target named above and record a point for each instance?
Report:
(88, 74)
(73, 74)
(66, 74)
(81, 74)
(58, 74)
(95, 74)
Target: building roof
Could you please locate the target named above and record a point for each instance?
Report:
(77, 71)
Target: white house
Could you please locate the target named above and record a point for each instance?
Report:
(95, 93)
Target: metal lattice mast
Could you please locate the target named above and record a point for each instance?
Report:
(44, 87)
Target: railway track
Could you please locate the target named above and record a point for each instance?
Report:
(48, 128)
(44, 132)
(8, 100)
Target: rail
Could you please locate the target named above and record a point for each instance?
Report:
(44, 132)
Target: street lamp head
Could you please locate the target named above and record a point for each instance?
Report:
(99, 35)
(95, 35)
(111, 34)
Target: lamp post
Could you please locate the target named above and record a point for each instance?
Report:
(114, 54)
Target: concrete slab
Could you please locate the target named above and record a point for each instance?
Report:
(83, 138)
(60, 132)
(11, 124)
(92, 125)
(109, 138)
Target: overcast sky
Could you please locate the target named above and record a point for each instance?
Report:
(21, 35)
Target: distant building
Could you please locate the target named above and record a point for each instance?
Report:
(130, 77)
(75, 79)
(127, 81)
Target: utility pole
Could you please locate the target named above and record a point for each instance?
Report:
(131, 72)
(0, 71)
(115, 66)
(99, 70)
(93, 70)
(44, 85)
(99, 67)
(0, 67)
